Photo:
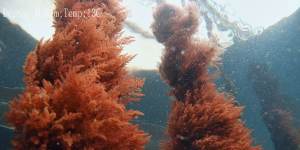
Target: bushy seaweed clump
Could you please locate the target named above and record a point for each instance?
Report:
(77, 86)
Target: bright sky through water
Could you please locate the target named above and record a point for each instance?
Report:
(35, 16)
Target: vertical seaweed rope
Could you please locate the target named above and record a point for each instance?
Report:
(201, 118)
(276, 112)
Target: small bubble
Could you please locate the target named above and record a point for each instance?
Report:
(173, 49)
(257, 66)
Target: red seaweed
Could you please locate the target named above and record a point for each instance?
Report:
(276, 112)
(201, 118)
(77, 86)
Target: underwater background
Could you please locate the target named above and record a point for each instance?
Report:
(262, 72)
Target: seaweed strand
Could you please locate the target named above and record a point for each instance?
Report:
(201, 118)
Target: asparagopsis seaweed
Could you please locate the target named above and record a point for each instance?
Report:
(275, 109)
(201, 118)
(77, 86)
